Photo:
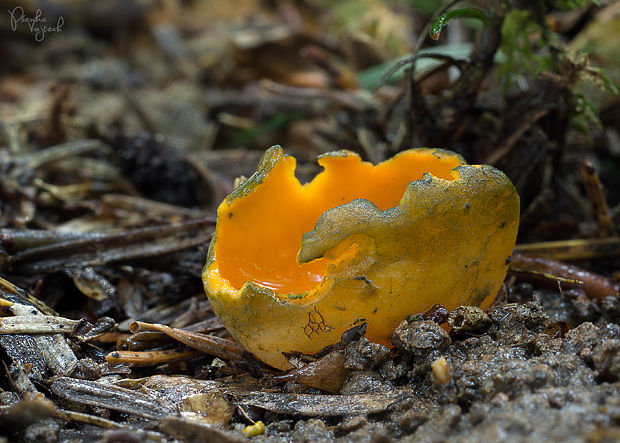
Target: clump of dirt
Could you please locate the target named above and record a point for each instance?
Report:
(521, 379)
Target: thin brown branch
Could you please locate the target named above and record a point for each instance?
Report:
(150, 358)
(597, 199)
(595, 285)
(577, 249)
(210, 344)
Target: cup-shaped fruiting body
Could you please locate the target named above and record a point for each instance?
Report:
(291, 266)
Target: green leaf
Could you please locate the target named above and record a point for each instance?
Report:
(441, 21)
(370, 78)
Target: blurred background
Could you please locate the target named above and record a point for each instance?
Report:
(169, 101)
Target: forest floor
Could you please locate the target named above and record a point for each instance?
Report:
(124, 124)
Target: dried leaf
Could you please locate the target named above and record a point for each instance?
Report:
(323, 405)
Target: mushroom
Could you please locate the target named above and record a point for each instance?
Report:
(292, 266)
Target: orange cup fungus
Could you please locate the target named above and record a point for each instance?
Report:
(292, 266)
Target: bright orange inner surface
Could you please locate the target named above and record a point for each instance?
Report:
(259, 235)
